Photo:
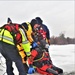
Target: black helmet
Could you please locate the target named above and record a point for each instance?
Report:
(25, 25)
(39, 20)
(9, 20)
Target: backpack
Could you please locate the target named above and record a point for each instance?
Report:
(14, 31)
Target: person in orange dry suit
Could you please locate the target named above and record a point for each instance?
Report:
(42, 61)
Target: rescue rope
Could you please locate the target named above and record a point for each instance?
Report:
(39, 58)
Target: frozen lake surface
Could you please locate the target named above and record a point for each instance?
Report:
(61, 55)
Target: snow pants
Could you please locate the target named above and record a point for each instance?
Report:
(46, 69)
(59, 70)
(11, 54)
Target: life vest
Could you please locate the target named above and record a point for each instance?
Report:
(11, 31)
(22, 53)
(25, 42)
(29, 32)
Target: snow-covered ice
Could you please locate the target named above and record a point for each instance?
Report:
(63, 56)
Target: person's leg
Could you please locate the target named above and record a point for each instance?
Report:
(59, 70)
(20, 67)
(26, 67)
(9, 68)
(49, 70)
(11, 52)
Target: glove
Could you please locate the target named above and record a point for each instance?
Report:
(34, 44)
(47, 46)
(31, 70)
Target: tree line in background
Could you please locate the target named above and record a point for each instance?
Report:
(61, 40)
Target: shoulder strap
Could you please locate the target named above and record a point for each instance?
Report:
(24, 30)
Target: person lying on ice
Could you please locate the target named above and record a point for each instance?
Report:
(42, 62)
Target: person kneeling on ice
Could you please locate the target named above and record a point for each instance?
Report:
(28, 30)
(42, 62)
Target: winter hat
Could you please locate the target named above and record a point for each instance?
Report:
(9, 20)
(39, 20)
(33, 22)
(25, 25)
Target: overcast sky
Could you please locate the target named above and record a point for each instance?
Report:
(57, 15)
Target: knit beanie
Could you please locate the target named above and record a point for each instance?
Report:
(33, 22)
(39, 20)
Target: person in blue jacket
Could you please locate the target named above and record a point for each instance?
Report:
(45, 28)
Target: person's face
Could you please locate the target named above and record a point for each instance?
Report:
(35, 26)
